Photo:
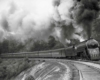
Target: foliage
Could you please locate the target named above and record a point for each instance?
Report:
(58, 45)
(11, 68)
(0, 60)
(67, 31)
(29, 78)
(51, 42)
(13, 46)
(4, 46)
(8, 46)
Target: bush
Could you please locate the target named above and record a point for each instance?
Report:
(0, 60)
(2, 72)
(11, 68)
(30, 77)
(26, 59)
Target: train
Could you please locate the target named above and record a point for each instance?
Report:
(89, 49)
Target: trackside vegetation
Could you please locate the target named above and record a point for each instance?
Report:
(9, 69)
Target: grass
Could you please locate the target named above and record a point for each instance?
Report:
(10, 68)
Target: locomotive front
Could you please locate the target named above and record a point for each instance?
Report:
(93, 49)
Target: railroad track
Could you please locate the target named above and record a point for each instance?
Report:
(55, 69)
(75, 72)
(87, 72)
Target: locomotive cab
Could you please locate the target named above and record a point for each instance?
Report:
(93, 49)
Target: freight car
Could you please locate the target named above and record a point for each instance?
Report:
(88, 49)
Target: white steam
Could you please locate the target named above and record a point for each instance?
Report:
(37, 19)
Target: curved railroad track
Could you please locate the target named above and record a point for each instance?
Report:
(63, 70)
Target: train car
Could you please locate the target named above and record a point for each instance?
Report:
(88, 49)
(70, 52)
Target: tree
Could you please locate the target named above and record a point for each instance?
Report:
(5, 46)
(58, 45)
(51, 42)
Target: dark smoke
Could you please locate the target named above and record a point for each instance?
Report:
(67, 30)
(87, 12)
(56, 2)
(4, 23)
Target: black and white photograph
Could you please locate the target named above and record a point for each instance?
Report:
(49, 39)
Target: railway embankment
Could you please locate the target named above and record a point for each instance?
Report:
(49, 70)
(93, 64)
(87, 70)
(10, 68)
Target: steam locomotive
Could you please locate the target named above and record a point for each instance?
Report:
(88, 49)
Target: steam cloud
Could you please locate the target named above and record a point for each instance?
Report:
(86, 12)
(26, 19)
(38, 19)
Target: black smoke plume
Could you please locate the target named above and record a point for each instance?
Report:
(87, 12)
